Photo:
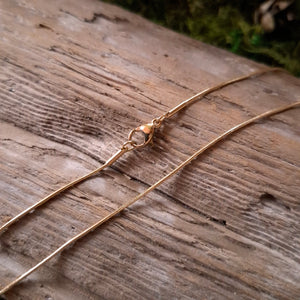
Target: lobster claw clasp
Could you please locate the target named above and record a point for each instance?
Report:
(147, 130)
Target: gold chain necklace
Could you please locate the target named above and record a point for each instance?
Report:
(148, 131)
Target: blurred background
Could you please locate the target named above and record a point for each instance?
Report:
(266, 31)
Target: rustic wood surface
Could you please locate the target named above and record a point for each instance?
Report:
(76, 77)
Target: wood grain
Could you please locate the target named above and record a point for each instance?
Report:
(75, 78)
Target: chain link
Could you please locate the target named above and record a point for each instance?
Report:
(158, 121)
(129, 145)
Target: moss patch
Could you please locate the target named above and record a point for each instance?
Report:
(226, 24)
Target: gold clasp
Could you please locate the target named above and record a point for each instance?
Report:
(147, 130)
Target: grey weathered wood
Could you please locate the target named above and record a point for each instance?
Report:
(76, 77)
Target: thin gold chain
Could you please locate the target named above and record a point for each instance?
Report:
(131, 144)
(151, 188)
(207, 91)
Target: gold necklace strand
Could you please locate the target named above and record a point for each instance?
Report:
(130, 144)
(151, 188)
(207, 91)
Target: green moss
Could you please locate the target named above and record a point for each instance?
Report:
(227, 24)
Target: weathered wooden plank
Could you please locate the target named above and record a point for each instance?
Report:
(74, 80)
